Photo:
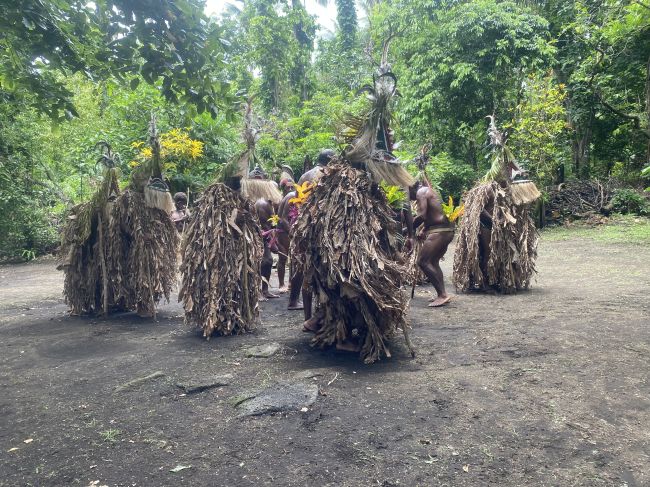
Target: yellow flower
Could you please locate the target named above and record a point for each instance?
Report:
(458, 212)
(452, 213)
(275, 219)
(302, 192)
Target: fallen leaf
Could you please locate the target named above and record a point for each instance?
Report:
(28, 440)
(178, 468)
(466, 468)
(12, 449)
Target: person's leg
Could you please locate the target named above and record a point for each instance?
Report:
(442, 242)
(265, 270)
(296, 287)
(283, 251)
(433, 249)
(484, 237)
(312, 321)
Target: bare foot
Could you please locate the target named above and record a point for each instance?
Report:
(283, 289)
(312, 325)
(268, 295)
(347, 346)
(295, 306)
(439, 301)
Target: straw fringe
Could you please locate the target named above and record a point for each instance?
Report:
(220, 264)
(513, 242)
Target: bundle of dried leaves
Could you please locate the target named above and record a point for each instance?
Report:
(513, 242)
(344, 242)
(143, 257)
(222, 251)
(85, 248)
(82, 260)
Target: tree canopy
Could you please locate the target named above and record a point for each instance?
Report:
(569, 81)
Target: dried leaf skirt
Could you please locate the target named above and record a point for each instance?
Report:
(345, 243)
(221, 264)
(144, 244)
(84, 252)
(513, 243)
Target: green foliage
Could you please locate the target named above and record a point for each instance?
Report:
(279, 40)
(539, 139)
(346, 16)
(449, 176)
(629, 201)
(314, 128)
(567, 79)
(621, 230)
(159, 40)
(461, 62)
(395, 195)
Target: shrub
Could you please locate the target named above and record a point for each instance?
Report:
(452, 178)
(629, 201)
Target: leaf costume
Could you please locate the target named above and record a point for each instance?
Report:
(222, 252)
(143, 237)
(345, 239)
(510, 264)
(85, 248)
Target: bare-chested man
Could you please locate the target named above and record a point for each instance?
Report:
(287, 219)
(437, 232)
(180, 214)
(314, 173)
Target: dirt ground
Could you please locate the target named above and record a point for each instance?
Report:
(546, 388)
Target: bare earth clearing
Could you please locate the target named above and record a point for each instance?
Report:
(547, 388)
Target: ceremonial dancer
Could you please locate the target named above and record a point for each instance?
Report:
(344, 238)
(497, 241)
(144, 238)
(222, 255)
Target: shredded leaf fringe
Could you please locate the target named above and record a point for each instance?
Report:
(344, 241)
(221, 264)
(143, 256)
(513, 242)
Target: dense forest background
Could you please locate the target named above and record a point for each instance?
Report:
(568, 79)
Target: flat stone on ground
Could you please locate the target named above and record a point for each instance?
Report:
(278, 398)
(263, 351)
(311, 373)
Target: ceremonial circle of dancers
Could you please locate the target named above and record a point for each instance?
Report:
(353, 257)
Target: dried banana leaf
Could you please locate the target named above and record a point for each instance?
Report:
(142, 261)
(513, 242)
(221, 256)
(85, 251)
(344, 241)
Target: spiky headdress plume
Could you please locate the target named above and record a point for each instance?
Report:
(369, 137)
(156, 192)
(505, 168)
(247, 161)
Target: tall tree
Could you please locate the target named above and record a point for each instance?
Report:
(346, 16)
(461, 61)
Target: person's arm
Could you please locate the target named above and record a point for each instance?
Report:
(422, 205)
(486, 216)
